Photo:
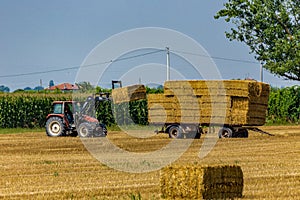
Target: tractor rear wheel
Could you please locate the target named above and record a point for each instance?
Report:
(55, 127)
(85, 130)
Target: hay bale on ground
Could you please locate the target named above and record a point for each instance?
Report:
(129, 93)
(201, 182)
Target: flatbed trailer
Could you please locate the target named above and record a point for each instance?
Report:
(231, 106)
(189, 130)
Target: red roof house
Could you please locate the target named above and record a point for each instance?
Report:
(64, 87)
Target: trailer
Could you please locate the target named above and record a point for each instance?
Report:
(229, 107)
(232, 107)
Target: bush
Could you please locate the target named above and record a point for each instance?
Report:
(284, 105)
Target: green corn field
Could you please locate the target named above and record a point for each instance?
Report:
(26, 110)
(30, 110)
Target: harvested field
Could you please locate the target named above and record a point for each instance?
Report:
(35, 166)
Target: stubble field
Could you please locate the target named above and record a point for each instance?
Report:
(34, 166)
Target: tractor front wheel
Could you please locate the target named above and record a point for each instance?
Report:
(55, 127)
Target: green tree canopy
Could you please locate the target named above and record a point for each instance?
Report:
(4, 88)
(85, 86)
(271, 28)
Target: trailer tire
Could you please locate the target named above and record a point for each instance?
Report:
(246, 133)
(225, 132)
(241, 133)
(175, 132)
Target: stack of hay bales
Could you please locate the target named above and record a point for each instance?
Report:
(234, 102)
(201, 182)
(129, 93)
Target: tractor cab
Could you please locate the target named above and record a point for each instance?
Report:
(64, 110)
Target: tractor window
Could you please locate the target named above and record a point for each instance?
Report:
(70, 106)
(57, 109)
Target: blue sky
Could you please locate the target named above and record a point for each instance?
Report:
(39, 35)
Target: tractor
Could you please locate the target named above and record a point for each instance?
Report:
(69, 118)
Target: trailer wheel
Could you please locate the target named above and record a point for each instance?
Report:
(244, 133)
(241, 133)
(84, 130)
(55, 127)
(175, 132)
(225, 133)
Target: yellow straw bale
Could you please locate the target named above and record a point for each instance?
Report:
(129, 93)
(216, 87)
(201, 182)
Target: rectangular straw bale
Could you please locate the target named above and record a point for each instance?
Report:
(201, 182)
(161, 119)
(159, 101)
(244, 117)
(129, 93)
(216, 87)
(218, 117)
(263, 100)
(214, 98)
(215, 105)
(215, 119)
(182, 87)
(239, 103)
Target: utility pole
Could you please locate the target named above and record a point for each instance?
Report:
(168, 63)
(261, 73)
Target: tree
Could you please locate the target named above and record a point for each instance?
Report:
(51, 83)
(4, 88)
(27, 88)
(85, 86)
(271, 28)
(38, 88)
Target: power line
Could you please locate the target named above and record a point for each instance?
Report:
(122, 59)
(77, 67)
(39, 72)
(139, 55)
(215, 57)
